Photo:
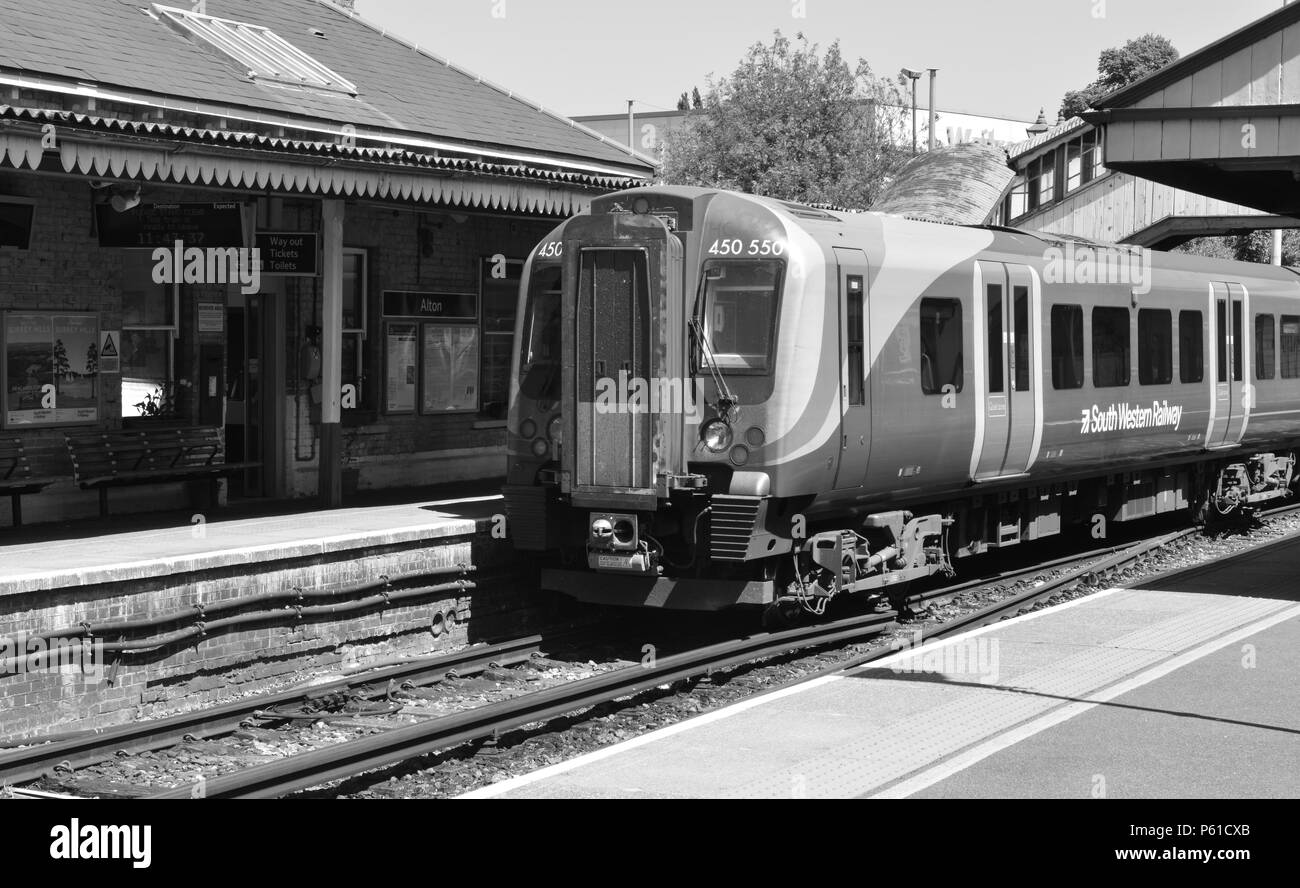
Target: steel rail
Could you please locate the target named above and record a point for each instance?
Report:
(367, 753)
(90, 747)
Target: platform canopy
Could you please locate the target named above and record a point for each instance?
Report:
(1223, 121)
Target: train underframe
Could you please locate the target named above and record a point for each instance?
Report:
(701, 551)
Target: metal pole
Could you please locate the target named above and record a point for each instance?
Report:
(630, 125)
(331, 351)
(933, 113)
(914, 115)
(1277, 246)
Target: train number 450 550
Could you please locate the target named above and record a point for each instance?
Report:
(734, 246)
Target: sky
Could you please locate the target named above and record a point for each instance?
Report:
(1001, 58)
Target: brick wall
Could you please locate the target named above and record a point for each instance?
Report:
(151, 683)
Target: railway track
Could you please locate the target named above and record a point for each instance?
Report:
(371, 752)
(83, 748)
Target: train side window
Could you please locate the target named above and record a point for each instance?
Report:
(1290, 346)
(995, 344)
(1155, 346)
(1191, 346)
(1236, 340)
(1020, 322)
(941, 336)
(1067, 346)
(1264, 356)
(1221, 316)
(854, 341)
(1110, 347)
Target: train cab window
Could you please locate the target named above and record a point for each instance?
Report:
(739, 313)
(1290, 346)
(1110, 347)
(1067, 346)
(1155, 346)
(941, 337)
(1191, 346)
(1264, 356)
(539, 357)
(995, 339)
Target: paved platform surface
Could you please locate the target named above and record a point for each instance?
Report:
(1188, 689)
(107, 551)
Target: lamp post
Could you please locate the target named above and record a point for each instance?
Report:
(934, 115)
(913, 76)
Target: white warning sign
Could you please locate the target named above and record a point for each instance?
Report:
(110, 360)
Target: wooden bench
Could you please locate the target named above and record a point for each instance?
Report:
(26, 469)
(101, 460)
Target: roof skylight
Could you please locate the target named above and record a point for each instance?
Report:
(264, 54)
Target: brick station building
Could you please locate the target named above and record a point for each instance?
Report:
(391, 194)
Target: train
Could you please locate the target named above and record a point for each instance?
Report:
(723, 400)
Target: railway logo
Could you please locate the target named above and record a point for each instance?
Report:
(633, 394)
(35, 653)
(1085, 264)
(1125, 416)
(977, 657)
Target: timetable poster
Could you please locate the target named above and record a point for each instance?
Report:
(50, 368)
(401, 368)
(450, 368)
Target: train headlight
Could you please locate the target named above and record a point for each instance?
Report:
(540, 447)
(527, 429)
(716, 435)
(740, 454)
(554, 429)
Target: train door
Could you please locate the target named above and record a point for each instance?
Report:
(1008, 317)
(613, 324)
(1232, 391)
(855, 428)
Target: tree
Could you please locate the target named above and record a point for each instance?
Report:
(59, 365)
(793, 124)
(92, 359)
(1118, 67)
(692, 101)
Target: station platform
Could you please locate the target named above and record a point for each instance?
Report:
(142, 547)
(1184, 687)
(178, 609)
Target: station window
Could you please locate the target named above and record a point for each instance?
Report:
(354, 322)
(1155, 346)
(941, 342)
(1264, 356)
(149, 332)
(1290, 346)
(1073, 165)
(1067, 346)
(1110, 347)
(1191, 346)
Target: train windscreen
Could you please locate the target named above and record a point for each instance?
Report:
(539, 359)
(739, 308)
